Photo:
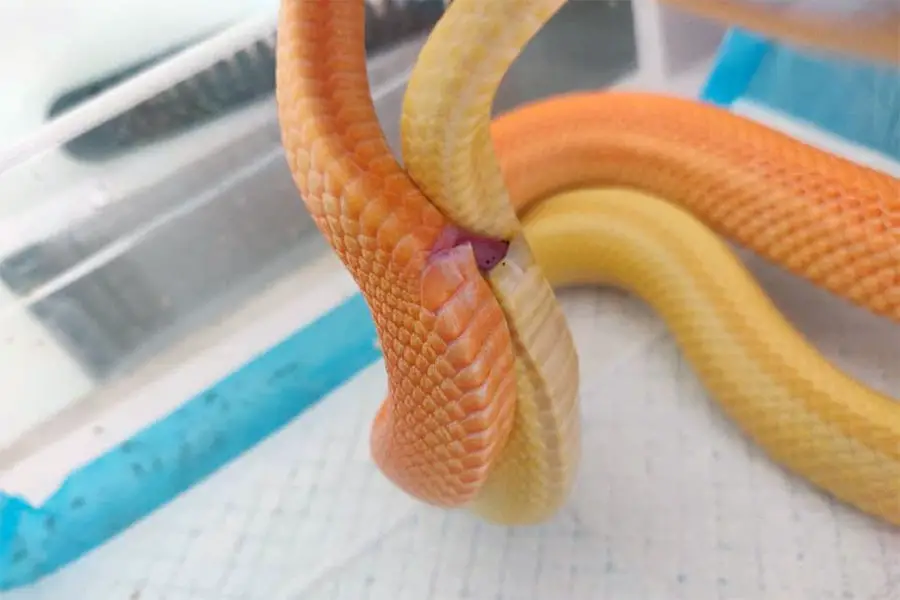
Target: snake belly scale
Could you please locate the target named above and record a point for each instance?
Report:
(457, 256)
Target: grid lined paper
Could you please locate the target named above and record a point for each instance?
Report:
(672, 503)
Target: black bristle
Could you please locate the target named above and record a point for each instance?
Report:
(230, 84)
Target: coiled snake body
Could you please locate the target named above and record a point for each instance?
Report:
(457, 253)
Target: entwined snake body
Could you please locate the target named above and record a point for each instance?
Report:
(456, 255)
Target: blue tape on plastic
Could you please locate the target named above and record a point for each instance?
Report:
(856, 100)
(147, 471)
(737, 62)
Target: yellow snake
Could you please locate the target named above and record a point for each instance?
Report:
(457, 254)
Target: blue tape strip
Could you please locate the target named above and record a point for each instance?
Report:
(101, 499)
(736, 64)
(856, 100)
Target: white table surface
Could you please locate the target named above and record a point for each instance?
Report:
(671, 501)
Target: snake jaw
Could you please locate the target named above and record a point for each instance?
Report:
(452, 384)
(489, 252)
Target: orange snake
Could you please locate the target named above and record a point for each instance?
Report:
(456, 255)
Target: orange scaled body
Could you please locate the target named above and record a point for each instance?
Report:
(447, 350)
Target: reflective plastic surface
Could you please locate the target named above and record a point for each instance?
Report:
(158, 221)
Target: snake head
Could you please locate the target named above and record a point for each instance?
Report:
(488, 251)
(452, 383)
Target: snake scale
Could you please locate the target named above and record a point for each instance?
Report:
(457, 255)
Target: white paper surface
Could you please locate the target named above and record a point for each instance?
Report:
(671, 503)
